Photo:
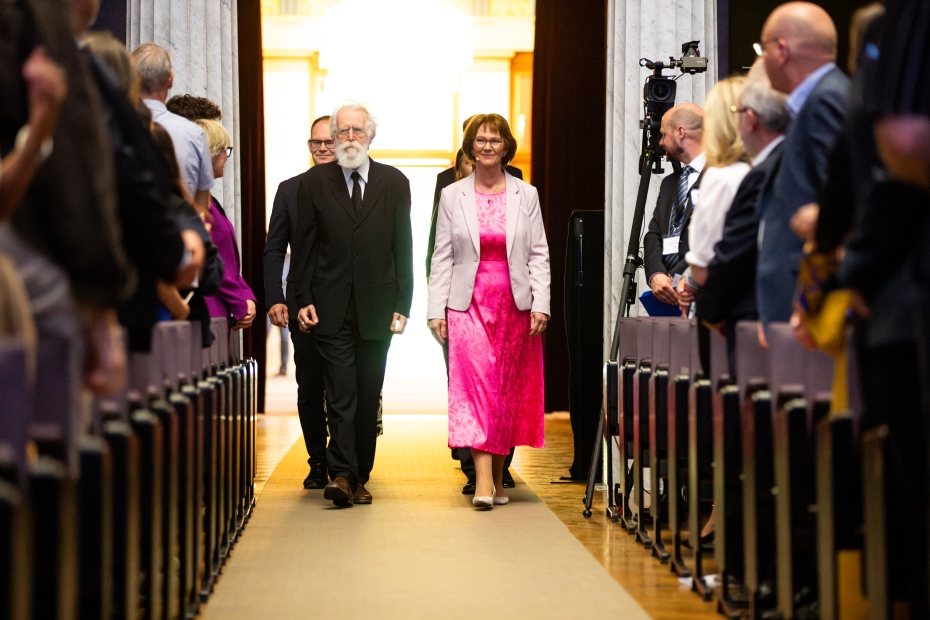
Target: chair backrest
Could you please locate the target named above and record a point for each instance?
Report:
(719, 361)
(660, 340)
(819, 379)
(56, 418)
(788, 364)
(183, 335)
(644, 338)
(14, 401)
(235, 346)
(628, 339)
(679, 343)
(217, 326)
(751, 358)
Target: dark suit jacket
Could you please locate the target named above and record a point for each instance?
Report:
(369, 252)
(70, 210)
(658, 227)
(282, 231)
(798, 181)
(729, 294)
(443, 180)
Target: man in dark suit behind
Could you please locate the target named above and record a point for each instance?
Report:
(355, 289)
(728, 288)
(666, 241)
(282, 308)
(799, 49)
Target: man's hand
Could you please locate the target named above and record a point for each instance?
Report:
(398, 323)
(307, 318)
(246, 321)
(439, 329)
(106, 369)
(804, 221)
(538, 322)
(661, 285)
(684, 297)
(190, 273)
(278, 315)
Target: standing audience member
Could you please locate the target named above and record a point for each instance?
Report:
(234, 300)
(728, 293)
(355, 287)
(489, 295)
(798, 48)
(162, 247)
(666, 240)
(282, 304)
(190, 144)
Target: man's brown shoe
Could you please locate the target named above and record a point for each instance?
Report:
(338, 490)
(362, 496)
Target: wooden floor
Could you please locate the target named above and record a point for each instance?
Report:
(652, 584)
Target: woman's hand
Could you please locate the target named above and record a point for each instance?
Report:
(538, 322)
(246, 321)
(440, 330)
(685, 297)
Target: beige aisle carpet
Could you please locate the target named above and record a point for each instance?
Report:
(420, 551)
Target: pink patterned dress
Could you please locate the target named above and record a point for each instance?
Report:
(495, 367)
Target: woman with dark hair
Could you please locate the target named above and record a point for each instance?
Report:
(489, 295)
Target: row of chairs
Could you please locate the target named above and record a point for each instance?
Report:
(783, 473)
(136, 518)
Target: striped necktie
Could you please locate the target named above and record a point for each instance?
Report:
(681, 205)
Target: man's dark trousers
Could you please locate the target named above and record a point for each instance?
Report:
(310, 408)
(353, 374)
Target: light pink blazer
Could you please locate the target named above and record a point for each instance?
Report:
(458, 245)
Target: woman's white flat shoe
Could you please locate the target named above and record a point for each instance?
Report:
(500, 501)
(483, 501)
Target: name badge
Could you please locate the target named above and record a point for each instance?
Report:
(670, 245)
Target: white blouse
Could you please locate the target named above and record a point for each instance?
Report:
(718, 188)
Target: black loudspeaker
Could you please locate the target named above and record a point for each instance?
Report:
(584, 326)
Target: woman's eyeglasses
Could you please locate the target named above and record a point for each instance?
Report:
(228, 150)
(494, 142)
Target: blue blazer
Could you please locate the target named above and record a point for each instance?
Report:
(797, 182)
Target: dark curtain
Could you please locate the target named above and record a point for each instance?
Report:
(251, 154)
(569, 119)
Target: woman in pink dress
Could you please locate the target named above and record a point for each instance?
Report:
(489, 295)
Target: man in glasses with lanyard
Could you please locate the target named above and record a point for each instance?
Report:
(666, 242)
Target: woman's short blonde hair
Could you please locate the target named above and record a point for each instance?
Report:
(217, 136)
(722, 143)
(495, 122)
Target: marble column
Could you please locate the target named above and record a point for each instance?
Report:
(201, 36)
(653, 29)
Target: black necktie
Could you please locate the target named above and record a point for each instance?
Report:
(356, 190)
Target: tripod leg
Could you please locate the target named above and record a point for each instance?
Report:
(592, 472)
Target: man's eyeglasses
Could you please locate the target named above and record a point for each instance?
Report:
(494, 142)
(228, 150)
(760, 47)
(316, 144)
(345, 132)
(736, 110)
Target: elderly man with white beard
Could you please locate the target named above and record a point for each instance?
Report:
(354, 286)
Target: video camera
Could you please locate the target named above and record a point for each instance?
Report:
(659, 91)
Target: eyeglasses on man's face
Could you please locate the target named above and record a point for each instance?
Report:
(494, 142)
(316, 144)
(760, 46)
(345, 132)
(737, 110)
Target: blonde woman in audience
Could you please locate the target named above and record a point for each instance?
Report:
(726, 166)
(235, 300)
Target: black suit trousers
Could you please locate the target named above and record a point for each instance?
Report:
(310, 396)
(353, 374)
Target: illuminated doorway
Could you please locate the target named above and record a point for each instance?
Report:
(422, 67)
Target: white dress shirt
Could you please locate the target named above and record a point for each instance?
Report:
(718, 188)
(764, 153)
(697, 164)
(362, 172)
(190, 147)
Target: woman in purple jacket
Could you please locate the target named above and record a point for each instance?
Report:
(235, 301)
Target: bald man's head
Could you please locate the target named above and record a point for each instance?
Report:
(682, 130)
(797, 39)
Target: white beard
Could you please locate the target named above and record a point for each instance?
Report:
(351, 154)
